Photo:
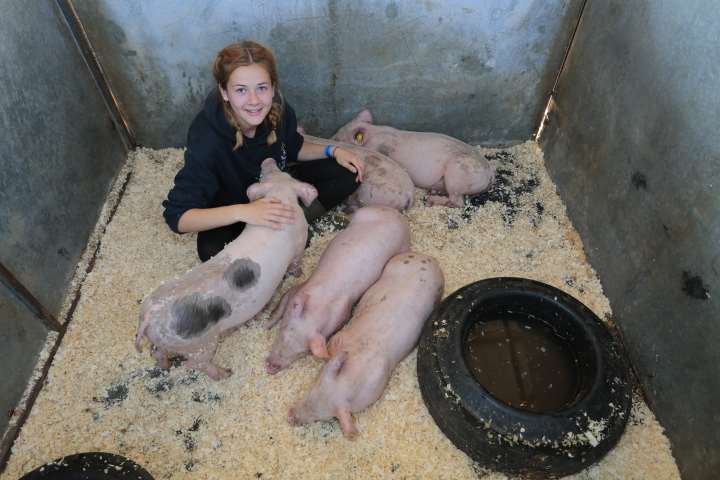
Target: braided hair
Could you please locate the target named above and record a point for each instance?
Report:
(242, 54)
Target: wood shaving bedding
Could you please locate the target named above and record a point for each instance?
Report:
(101, 395)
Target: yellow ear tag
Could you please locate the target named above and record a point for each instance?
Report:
(359, 137)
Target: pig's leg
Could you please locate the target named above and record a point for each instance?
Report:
(463, 176)
(439, 200)
(347, 425)
(436, 196)
(202, 360)
(456, 187)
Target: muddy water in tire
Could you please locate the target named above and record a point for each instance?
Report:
(523, 363)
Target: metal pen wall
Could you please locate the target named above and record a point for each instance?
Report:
(632, 145)
(60, 151)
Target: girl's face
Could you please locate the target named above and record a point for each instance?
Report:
(250, 93)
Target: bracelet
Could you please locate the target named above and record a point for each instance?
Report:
(329, 150)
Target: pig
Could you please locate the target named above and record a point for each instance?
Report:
(384, 329)
(435, 162)
(384, 183)
(187, 315)
(317, 308)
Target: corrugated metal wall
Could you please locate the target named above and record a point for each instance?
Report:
(480, 71)
(634, 149)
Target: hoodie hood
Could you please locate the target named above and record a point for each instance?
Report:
(215, 115)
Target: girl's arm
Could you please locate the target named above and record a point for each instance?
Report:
(267, 211)
(315, 151)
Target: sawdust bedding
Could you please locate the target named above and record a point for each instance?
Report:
(101, 395)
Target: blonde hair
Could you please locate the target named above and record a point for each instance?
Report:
(242, 54)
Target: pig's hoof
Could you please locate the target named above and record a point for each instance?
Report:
(537, 416)
(272, 368)
(218, 373)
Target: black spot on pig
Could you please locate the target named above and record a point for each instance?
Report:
(693, 286)
(242, 274)
(194, 314)
(639, 181)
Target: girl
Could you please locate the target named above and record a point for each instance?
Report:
(242, 123)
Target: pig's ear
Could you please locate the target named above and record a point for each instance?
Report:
(346, 423)
(306, 192)
(257, 190)
(318, 347)
(364, 116)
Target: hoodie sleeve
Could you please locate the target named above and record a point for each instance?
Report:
(196, 185)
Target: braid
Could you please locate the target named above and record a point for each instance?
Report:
(233, 123)
(274, 119)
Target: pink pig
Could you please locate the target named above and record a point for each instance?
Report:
(188, 314)
(384, 183)
(317, 308)
(434, 161)
(383, 331)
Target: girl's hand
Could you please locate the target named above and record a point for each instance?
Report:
(349, 160)
(268, 212)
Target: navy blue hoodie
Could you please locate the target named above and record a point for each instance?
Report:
(214, 175)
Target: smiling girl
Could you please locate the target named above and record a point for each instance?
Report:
(244, 121)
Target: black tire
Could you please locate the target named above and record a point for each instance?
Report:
(506, 439)
(89, 466)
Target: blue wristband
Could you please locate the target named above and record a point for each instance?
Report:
(328, 151)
